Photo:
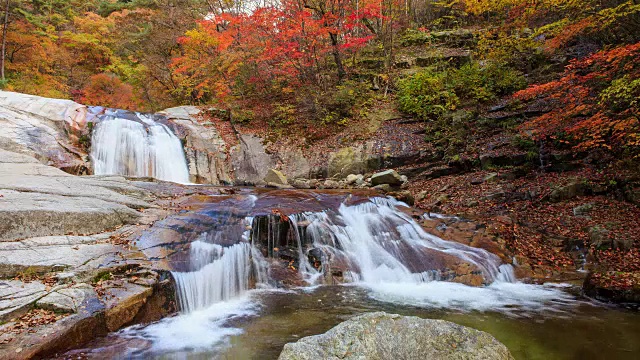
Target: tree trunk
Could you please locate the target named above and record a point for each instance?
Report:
(4, 39)
(337, 57)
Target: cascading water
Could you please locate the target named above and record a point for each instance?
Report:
(380, 243)
(141, 149)
(218, 273)
(249, 241)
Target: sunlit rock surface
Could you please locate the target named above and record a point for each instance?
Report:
(384, 336)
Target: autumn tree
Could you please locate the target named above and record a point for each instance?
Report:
(595, 105)
(109, 91)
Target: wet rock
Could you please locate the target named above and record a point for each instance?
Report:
(160, 304)
(124, 301)
(301, 184)
(390, 177)
(583, 209)
(386, 336)
(597, 285)
(275, 177)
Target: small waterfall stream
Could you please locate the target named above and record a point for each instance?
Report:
(143, 148)
(372, 242)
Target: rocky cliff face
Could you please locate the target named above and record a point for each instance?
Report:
(205, 150)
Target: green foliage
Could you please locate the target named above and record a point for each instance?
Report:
(415, 37)
(102, 276)
(622, 94)
(524, 143)
(340, 103)
(518, 50)
(427, 94)
(243, 116)
(430, 94)
(283, 114)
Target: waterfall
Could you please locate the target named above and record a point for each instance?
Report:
(249, 241)
(380, 243)
(222, 279)
(374, 242)
(126, 147)
(216, 272)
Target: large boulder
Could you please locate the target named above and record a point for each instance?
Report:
(275, 177)
(386, 336)
(353, 160)
(390, 177)
(47, 129)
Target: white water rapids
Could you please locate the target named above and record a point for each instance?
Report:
(140, 149)
(375, 238)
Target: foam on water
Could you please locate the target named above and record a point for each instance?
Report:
(141, 149)
(499, 296)
(198, 330)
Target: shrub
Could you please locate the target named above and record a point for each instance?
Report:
(283, 114)
(430, 94)
(427, 94)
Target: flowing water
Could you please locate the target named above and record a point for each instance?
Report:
(138, 146)
(265, 268)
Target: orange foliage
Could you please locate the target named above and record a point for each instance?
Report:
(273, 49)
(109, 91)
(594, 105)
